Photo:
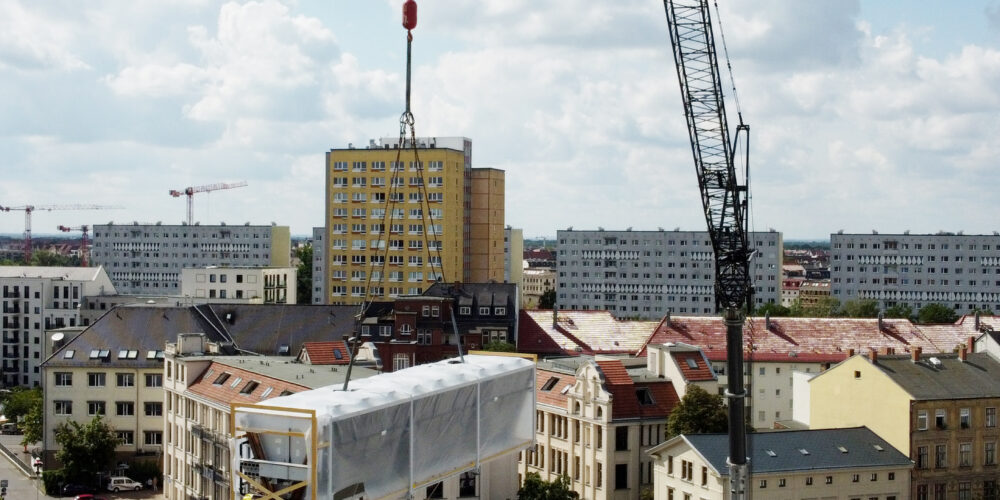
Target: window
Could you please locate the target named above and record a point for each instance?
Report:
(124, 408)
(64, 379)
(621, 476)
(152, 437)
(964, 490)
(809, 481)
(991, 417)
(965, 455)
(965, 417)
(990, 453)
(484, 311)
(922, 420)
(855, 478)
(126, 438)
(621, 438)
(64, 407)
(95, 379)
(763, 483)
(939, 419)
(221, 379)
(125, 379)
(781, 482)
(95, 408)
(644, 396)
(704, 476)
(922, 457)
(550, 383)
(829, 479)
(154, 380)
(153, 408)
(250, 387)
(940, 456)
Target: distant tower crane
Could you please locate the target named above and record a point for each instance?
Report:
(84, 245)
(190, 191)
(28, 209)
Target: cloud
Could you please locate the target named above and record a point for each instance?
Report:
(31, 42)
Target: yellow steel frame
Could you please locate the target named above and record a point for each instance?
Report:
(238, 432)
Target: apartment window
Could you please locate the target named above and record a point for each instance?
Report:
(763, 483)
(939, 419)
(781, 482)
(64, 379)
(95, 408)
(153, 408)
(965, 454)
(922, 420)
(125, 438)
(125, 379)
(991, 417)
(621, 438)
(809, 481)
(990, 491)
(829, 479)
(940, 456)
(965, 417)
(154, 380)
(965, 490)
(670, 465)
(621, 476)
(96, 379)
(124, 408)
(704, 476)
(990, 453)
(63, 407)
(922, 457)
(855, 478)
(152, 438)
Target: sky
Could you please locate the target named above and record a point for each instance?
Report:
(864, 115)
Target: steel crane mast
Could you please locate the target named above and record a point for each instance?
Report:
(723, 198)
(84, 243)
(190, 191)
(29, 209)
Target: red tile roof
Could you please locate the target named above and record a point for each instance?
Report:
(322, 353)
(225, 393)
(555, 395)
(624, 393)
(581, 332)
(532, 338)
(701, 371)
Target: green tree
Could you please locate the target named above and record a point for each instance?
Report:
(534, 488)
(19, 401)
(936, 313)
(547, 300)
(860, 308)
(85, 449)
(303, 288)
(824, 307)
(499, 346)
(697, 413)
(901, 311)
(31, 426)
(52, 259)
(773, 310)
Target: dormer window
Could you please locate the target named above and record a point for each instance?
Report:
(425, 311)
(644, 396)
(692, 364)
(500, 311)
(405, 330)
(484, 311)
(464, 310)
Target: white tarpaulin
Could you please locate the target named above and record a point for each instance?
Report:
(393, 432)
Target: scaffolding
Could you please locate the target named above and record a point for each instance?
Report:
(388, 435)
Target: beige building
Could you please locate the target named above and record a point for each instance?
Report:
(535, 282)
(513, 250)
(940, 410)
(396, 221)
(251, 285)
(850, 463)
(812, 291)
(597, 417)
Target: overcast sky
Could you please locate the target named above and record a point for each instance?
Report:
(864, 115)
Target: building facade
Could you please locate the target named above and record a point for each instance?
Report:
(535, 282)
(960, 271)
(36, 299)
(319, 266)
(396, 224)
(147, 259)
(513, 251)
(252, 285)
(648, 274)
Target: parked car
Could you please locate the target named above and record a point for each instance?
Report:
(9, 428)
(119, 483)
(71, 489)
(87, 496)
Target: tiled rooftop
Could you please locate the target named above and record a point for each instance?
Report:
(586, 332)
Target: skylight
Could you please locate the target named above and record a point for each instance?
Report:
(803, 451)
(236, 382)
(95, 353)
(337, 354)
(150, 354)
(283, 349)
(878, 447)
(123, 354)
(644, 396)
(133, 354)
(842, 449)
(249, 388)
(221, 379)
(771, 453)
(692, 364)
(69, 354)
(105, 353)
(550, 383)
(266, 392)
(565, 389)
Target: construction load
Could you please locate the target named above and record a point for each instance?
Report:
(388, 435)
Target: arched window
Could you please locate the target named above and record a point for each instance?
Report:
(405, 329)
(576, 408)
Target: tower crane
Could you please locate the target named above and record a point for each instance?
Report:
(724, 200)
(29, 209)
(190, 191)
(84, 244)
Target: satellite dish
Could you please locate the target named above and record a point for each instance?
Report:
(58, 337)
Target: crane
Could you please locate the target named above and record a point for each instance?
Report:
(724, 200)
(84, 245)
(29, 209)
(190, 191)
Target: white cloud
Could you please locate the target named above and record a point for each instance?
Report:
(29, 41)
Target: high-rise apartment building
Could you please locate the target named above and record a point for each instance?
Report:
(648, 274)
(960, 271)
(397, 221)
(147, 258)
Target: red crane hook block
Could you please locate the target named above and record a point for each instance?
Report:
(409, 14)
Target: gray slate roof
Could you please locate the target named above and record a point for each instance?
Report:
(977, 377)
(821, 445)
(257, 328)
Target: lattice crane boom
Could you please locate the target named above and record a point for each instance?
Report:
(84, 242)
(724, 200)
(190, 191)
(29, 209)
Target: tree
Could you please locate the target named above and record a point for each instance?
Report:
(824, 307)
(547, 300)
(534, 488)
(901, 311)
(303, 287)
(773, 310)
(499, 346)
(697, 413)
(85, 449)
(860, 308)
(47, 258)
(936, 313)
(19, 401)
(31, 426)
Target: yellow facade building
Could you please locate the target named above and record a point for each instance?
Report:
(425, 214)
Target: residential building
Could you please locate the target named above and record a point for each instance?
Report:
(147, 259)
(811, 292)
(36, 299)
(833, 463)
(114, 368)
(596, 417)
(535, 282)
(961, 271)
(251, 285)
(647, 274)
(939, 409)
(319, 282)
(424, 203)
(200, 384)
(790, 290)
(513, 254)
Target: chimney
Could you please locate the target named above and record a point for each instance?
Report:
(971, 343)
(963, 354)
(874, 355)
(977, 321)
(767, 321)
(668, 319)
(915, 353)
(555, 315)
(850, 352)
(881, 326)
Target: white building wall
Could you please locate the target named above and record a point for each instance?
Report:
(263, 285)
(771, 386)
(800, 396)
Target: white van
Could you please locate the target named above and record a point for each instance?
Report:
(120, 483)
